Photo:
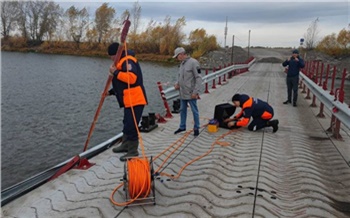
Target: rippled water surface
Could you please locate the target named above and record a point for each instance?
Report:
(48, 103)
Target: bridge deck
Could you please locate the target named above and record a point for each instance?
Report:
(299, 171)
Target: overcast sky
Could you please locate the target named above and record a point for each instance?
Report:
(272, 23)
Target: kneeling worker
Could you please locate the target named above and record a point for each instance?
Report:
(260, 111)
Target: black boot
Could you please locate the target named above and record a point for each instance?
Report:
(123, 147)
(274, 124)
(132, 150)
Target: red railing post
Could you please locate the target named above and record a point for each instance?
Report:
(333, 78)
(339, 95)
(206, 84)
(301, 81)
(213, 86)
(316, 76)
(336, 131)
(304, 88)
(320, 113)
(219, 83)
(308, 94)
(305, 71)
(330, 129)
(313, 104)
(321, 75)
(325, 83)
(341, 90)
(224, 80)
(166, 105)
(229, 76)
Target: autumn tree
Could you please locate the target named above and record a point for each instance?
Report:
(344, 38)
(113, 34)
(172, 35)
(9, 15)
(149, 40)
(201, 43)
(92, 35)
(329, 45)
(78, 21)
(311, 35)
(103, 18)
(336, 45)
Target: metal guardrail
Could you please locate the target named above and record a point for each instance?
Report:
(21, 188)
(171, 93)
(340, 110)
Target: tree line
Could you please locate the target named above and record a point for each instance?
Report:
(336, 45)
(47, 26)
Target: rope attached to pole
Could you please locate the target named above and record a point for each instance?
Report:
(109, 80)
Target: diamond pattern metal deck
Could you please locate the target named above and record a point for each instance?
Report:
(299, 171)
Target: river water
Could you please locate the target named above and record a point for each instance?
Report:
(48, 103)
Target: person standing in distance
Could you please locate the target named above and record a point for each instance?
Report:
(294, 63)
(188, 83)
(128, 87)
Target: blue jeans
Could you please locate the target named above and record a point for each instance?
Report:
(183, 113)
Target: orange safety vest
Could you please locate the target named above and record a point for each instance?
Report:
(133, 93)
(266, 115)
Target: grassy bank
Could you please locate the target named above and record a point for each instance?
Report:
(71, 48)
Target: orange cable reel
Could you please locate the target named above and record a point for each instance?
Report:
(138, 172)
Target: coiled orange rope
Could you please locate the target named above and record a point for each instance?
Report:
(139, 178)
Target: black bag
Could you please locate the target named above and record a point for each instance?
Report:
(222, 112)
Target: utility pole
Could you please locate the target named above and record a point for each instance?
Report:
(233, 44)
(225, 32)
(248, 43)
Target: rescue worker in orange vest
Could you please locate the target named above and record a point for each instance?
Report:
(260, 111)
(128, 88)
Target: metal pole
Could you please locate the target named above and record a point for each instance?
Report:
(248, 44)
(225, 33)
(233, 44)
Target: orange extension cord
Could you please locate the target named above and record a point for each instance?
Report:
(139, 174)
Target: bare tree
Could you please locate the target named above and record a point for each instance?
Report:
(49, 20)
(311, 35)
(38, 19)
(9, 14)
(78, 21)
(35, 10)
(22, 22)
(103, 18)
(136, 15)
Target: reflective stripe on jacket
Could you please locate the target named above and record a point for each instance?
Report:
(253, 107)
(129, 73)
